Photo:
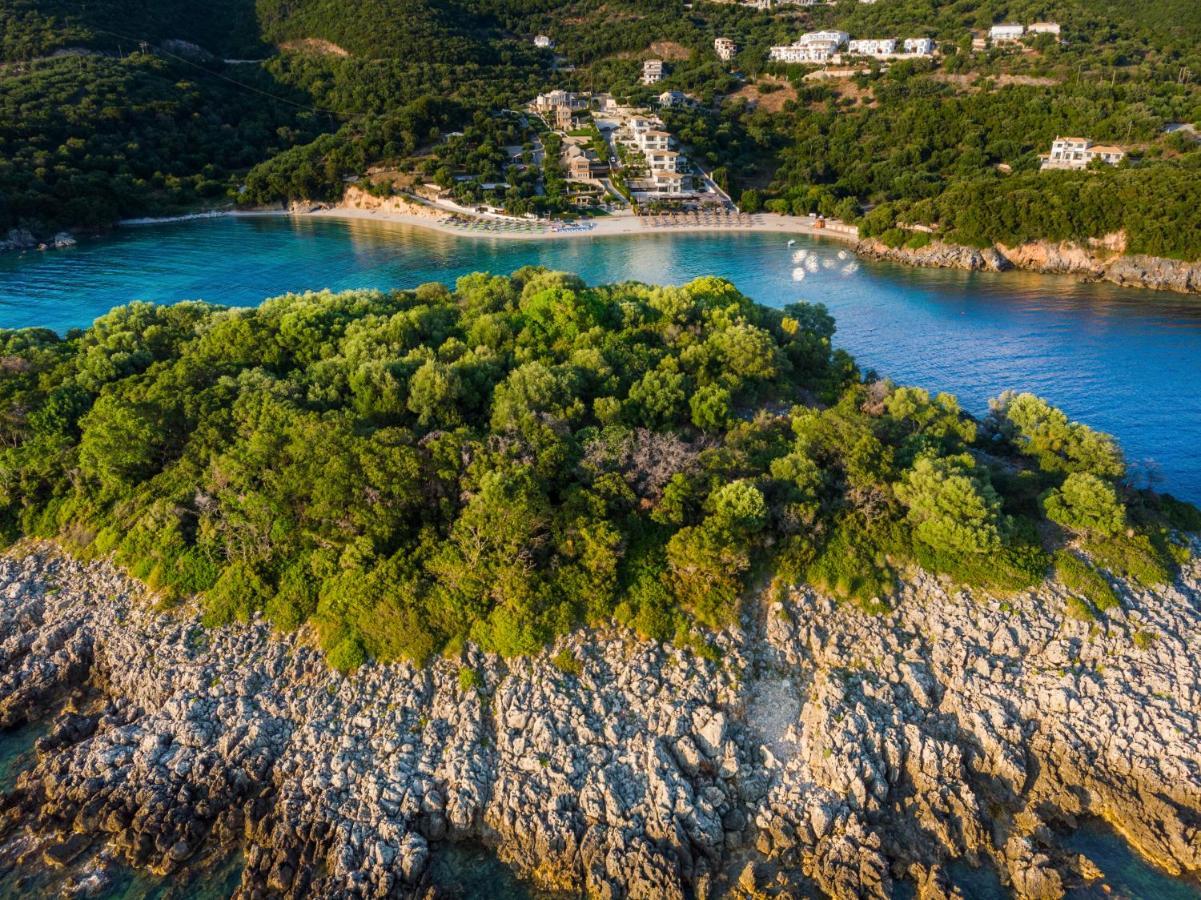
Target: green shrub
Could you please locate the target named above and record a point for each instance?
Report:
(952, 506)
(1135, 556)
(1013, 568)
(236, 596)
(1081, 578)
(1085, 503)
(1179, 514)
(918, 240)
(469, 679)
(347, 655)
(567, 663)
(1078, 609)
(853, 565)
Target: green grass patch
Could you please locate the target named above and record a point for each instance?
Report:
(1079, 577)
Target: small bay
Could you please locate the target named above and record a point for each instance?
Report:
(1123, 360)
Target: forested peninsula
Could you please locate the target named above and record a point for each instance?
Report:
(503, 462)
(650, 589)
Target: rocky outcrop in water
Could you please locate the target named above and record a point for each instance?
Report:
(23, 239)
(827, 750)
(1047, 257)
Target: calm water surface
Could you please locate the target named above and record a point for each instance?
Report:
(1126, 361)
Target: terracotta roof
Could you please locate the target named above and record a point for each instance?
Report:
(1102, 148)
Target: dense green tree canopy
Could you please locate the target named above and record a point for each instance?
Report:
(503, 461)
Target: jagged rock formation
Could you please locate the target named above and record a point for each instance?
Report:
(24, 239)
(829, 749)
(1094, 264)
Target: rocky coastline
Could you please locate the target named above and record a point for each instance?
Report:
(1091, 264)
(22, 240)
(828, 751)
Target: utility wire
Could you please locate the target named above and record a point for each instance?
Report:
(183, 59)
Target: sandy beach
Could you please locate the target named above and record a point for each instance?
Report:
(609, 226)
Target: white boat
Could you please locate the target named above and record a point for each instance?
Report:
(791, 242)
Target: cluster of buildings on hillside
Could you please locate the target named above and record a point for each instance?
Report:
(640, 151)
(1077, 153)
(827, 46)
(831, 46)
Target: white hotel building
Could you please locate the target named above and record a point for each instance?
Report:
(814, 47)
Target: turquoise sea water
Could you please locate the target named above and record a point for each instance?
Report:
(1126, 361)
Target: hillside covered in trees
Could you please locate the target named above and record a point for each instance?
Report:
(506, 460)
(334, 88)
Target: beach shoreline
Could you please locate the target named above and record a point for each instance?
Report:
(614, 226)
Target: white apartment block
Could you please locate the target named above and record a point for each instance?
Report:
(653, 141)
(553, 99)
(814, 47)
(671, 182)
(1077, 153)
(663, 160)
(652, 71)
(638, 125)
(725, 48)
(873, 47)
(799, 53)
(837, 38)
(1006, 33)
(919, 46)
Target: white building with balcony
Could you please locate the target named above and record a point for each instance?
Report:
(663, 161)
(651, 141)
(1006, 33)
(652, 71)
(554, 99)
(669, 99)
(919, 46)
(814, 47)
(873, 47)
(1077, 153)
(725, 48)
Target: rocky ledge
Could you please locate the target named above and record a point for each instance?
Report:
(828, 751)
(22, 239)
(1100, 264)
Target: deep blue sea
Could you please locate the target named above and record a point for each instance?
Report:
(1126, 361)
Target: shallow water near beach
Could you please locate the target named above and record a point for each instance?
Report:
(1126, 361)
